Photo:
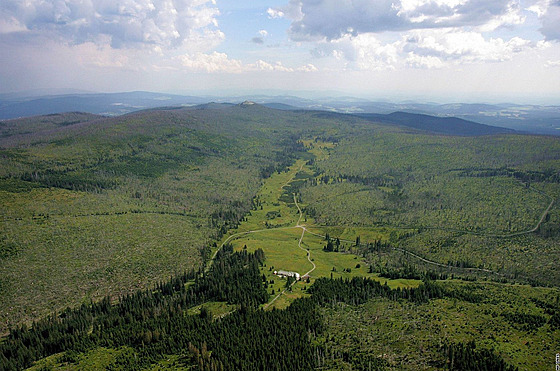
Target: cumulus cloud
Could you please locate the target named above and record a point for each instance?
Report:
(463, 46)
(539, 8)
(363, 52)
(308, 68)
(428, 48)
(220, 63)
(261, 65)
(260, 39)
(424, 61)
(551, 21)
(211, 63)
(333, 19)
(128, 23)
(275, 13)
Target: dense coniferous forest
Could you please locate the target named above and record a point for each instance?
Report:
(152, 323)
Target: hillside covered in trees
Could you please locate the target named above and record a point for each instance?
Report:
(150, 241)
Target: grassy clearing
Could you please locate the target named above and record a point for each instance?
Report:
(95, 359)
(279, 237)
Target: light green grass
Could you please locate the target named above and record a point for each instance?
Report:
(95, 359)
(281, 248)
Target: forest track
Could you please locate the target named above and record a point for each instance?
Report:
(307, 252)
(417, 256)
(475, 233)
(303, 230)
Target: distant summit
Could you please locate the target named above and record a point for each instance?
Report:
(438, 125)
(247, 103)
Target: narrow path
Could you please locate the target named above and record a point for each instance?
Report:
(417, 256)
(303, 230)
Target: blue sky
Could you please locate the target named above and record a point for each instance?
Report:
(439, 50)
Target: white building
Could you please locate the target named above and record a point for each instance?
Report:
(285, 274)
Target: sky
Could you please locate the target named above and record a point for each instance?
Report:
(424, 50)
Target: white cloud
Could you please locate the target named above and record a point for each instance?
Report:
(261, 65)
(540, 7)
(333, 19)
(363, 52)
(463, 46)
(308, 68)
(275, 13)
(423, 61)
(555, 63)
(220, 63)
(291, 11)
(511, 17)
(128, 23)
(428, 48)
(211, 63)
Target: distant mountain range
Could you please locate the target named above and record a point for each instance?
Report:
(105, 104)
(523, 118)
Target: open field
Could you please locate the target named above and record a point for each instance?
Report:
(279, 237)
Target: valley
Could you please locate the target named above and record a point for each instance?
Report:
(409, 243)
